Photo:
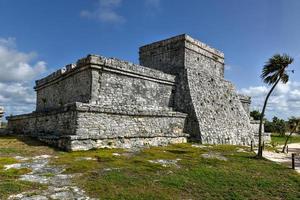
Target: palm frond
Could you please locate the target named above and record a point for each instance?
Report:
(284, 78)
(275, 67)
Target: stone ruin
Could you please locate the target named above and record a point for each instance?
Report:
(1, 115)
(177, 92)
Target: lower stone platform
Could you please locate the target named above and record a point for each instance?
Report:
(266, 137)
(78, 143)
(80, 126)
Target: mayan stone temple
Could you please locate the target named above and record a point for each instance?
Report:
(177, 92)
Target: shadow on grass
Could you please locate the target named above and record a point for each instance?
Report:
(29, 141)
(175, 151)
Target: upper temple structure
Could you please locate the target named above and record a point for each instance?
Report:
(178, 92)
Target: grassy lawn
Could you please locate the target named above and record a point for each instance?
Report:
(9, 148)
(118, 174)
(276, 138)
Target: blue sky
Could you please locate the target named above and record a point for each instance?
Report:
(39, 36)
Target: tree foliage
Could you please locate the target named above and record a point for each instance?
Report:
(293, 124)
(276, 126)
(255, 114)
(273, 72)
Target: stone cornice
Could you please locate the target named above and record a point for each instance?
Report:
(84, 107)
(107, 64)
(188, 40)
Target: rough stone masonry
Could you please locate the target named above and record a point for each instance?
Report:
(177, 92)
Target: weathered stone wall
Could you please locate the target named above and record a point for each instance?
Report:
(63, 88)
(246, 102)
(166, 55)
(202, 57)
(125, 92)
(221, 116)
(201, 62)
(215, 113)
(266, 137)
(103, 102)
(106, 82)
(84, 126)
(77, 143)
(172, 54)
(55, 123)
(128, 123)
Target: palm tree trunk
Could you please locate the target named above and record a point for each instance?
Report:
(288, 137)
(260, 150)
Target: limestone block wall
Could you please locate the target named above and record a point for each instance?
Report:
(172, 54)
(215, 112)
(104, 102)
(221, 116)
(116, 123)
(106, 82)
(201, 57)
(246, 102)
(100, 127)
(63, 87)
(123, 85)
(54, 123)
(166, 55)
(80, 126)
(126, 92)
(266, 137)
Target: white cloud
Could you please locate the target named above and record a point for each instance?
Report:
(15, 65)
(105, 12)
(17, 98)
(17, 71)
(284, 101)
(255, 91)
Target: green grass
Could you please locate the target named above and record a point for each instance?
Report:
(18, 146)
(9, 183)
(277, 139)
(132, 176)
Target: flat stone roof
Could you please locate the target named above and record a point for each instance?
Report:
(183, 37)
(107, 63)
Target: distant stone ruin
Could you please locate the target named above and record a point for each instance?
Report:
(177, 92)
(1, 115)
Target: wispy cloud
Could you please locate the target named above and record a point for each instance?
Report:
(106, 12)
(153, 3)
(228, 67)
(17, 71)
(284, 102)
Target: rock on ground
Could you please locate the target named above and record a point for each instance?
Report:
(60, 186)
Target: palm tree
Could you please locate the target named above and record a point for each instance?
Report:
(294, 124)
(274, 71)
